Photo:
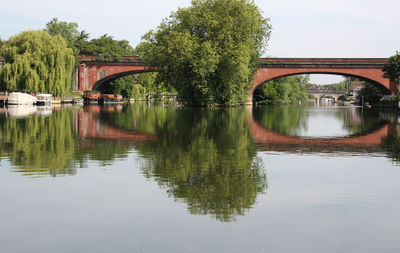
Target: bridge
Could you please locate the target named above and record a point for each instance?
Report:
(93, 73)
(318, 94)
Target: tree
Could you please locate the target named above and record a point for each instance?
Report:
(81, 41)
(69, 31)
(392, 68)
(76, 39)
(107, 47)
(370, 93)
(123, 86)
(209, 51)
(37, 61)
(283, 90)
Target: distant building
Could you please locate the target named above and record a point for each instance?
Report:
(355, 87)
(356, 91)
(313, 88)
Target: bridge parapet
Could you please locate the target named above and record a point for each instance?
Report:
(324, 62)
(123, 60)
(327, 91)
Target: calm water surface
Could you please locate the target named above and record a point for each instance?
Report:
(159, 178)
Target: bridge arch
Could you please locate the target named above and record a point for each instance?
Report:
(99, 85)
(368, 69)
(93, 74)
(383, 86)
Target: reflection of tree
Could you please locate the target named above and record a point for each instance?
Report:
(391, 144)
(49, 145)
(207, 159)
(284, 119)
(359, 122)
(139, 118)
(39, 145)
(105, 151)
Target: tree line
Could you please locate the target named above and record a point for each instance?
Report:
(285, 90)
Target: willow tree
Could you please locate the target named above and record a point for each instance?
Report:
(37, 61)
(209, 51)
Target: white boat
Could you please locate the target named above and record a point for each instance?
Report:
(44, 99)
(19, 98)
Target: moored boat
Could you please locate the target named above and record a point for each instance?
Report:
(44, 99)
(110, 98)
(19, 98)
(77, 101)
(91, 97)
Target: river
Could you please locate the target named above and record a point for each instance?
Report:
(162, 178)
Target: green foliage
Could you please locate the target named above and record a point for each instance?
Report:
(37, 61)
(69, 31)
(392, 68)
(209, 51)
(107, 47)
(283, 90)
(76, 39)
(370, 93)
(138, 92)
(340, 86)
(122, 86)
(136, 86)
(152, 84)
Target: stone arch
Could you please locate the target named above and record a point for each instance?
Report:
(373, 76)
(93, 75)
(107, 79)
(384, 85)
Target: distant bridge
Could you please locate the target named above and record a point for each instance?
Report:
(318, 94)
(94, 73)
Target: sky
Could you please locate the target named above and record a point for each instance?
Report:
(301, 28)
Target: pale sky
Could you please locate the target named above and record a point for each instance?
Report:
(301, 28)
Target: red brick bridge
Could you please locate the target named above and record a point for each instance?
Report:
(93, 73)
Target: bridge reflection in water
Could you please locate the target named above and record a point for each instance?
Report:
(207, 158)
(88, 124)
